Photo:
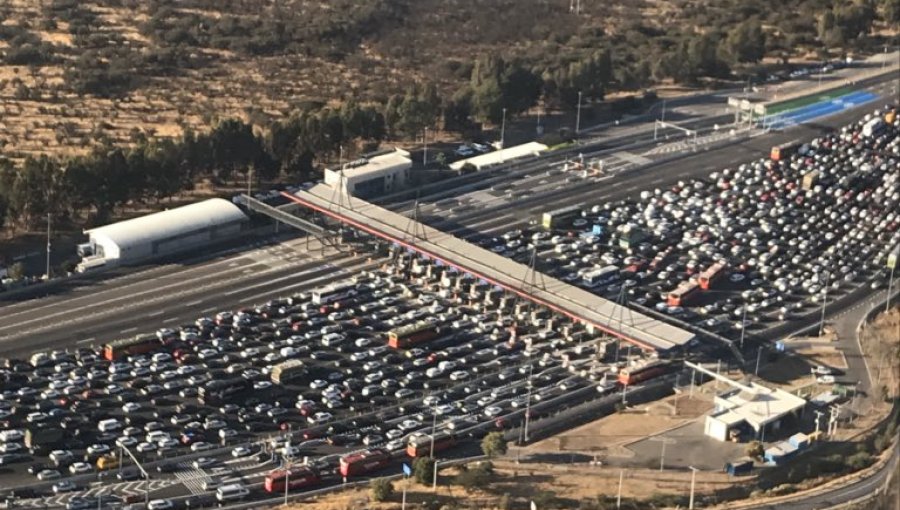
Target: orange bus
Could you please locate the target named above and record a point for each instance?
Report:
(421, 446)
(130, 346)
(711, 274)
(411, 334)
(684, 293)
(363, 462)
(297, 478)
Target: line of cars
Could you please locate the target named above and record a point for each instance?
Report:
(318, 363)
(775, 237)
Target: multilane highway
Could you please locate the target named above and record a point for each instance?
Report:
(179, 293)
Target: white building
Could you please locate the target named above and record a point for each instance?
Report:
(372, 176)
(483, 161)
(160, 234)
(752, 406)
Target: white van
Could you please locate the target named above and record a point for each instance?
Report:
(109, 425)
(231, 492)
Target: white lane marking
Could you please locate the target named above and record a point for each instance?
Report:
(194, 303)
(86, 341)
(275, 280)
(128, 330)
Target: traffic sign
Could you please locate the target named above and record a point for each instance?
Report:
(406, 469)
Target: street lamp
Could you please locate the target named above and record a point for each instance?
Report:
(824, 302)
(433, 428)
(503, 131)
(425, 152)
(143, 472)
(693, 479)
(578, 115)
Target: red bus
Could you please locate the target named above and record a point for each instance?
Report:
(412, 334)
(363, 462)
(684, 293)
(420, 446)
(297, 478)
(635, 375)
(711, 274)
(130, 346)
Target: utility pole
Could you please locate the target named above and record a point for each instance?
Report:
(887, 299)
(824, 302)
(287, 466)
(249, 182)
(527, 402)
(619, 492)
(758, 356)
(48, 245)
(693, 479)
(425, 152)
(433, 428)
(743, 325)
(143, 472)
(662, 116)
(578, 115)
(434, 481)
(503, 131)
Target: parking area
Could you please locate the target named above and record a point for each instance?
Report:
(374, 362)
(743, 249)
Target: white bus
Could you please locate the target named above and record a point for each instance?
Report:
(337, 291)
(603, 276)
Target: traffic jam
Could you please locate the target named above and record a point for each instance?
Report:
(745, 248)
(346, 380)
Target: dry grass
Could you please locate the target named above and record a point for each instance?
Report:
(519, 483)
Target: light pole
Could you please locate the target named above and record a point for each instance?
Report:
(619, 492)
(434, 481)
(824, 302)
(425, 152)
(48, 245)
(693, 479)
(743, 325)
(287, 467)
(503, 131)
(578, 115)
(528, 402)
(143, 472)
(433, 428)
(887, 299)
(758, 356)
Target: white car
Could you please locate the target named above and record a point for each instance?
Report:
(145, 447)
(126, 441)
(131, 407)
(202, 446)
(80, 468)
(8, 436)
(10, 447)
(492, 411)
(160, 504)
(241, 451)
(320, 417)
(60, 456)
(48, 474)
(825, 379)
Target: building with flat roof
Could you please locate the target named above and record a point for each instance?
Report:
(483, 161)
(751, 408)
(373, 175)
(161, 234)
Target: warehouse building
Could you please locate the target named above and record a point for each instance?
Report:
(161, 234)
(372, 176)
(483, 161)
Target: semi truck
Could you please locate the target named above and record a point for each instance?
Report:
(44, 436)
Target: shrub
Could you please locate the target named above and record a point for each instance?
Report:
(382, 489)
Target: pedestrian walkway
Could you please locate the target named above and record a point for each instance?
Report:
(192, 478)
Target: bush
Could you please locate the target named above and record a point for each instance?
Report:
(494, 444)
(423, 470)
(382, 489)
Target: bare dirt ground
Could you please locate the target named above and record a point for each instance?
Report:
(519, 484)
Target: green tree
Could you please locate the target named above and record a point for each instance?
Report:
(494, 444)
(423, 470)
(746, 42)
(382, 489)
(16, 271)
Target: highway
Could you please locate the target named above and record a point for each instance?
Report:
(155, 297)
